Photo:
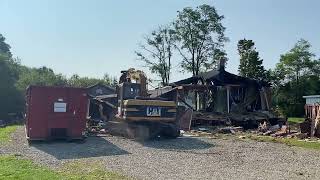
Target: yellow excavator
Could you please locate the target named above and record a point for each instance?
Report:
(139, 116)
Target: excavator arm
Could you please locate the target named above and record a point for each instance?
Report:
(138, 76)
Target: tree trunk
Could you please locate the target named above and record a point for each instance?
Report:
(169, 63)
(297, 84)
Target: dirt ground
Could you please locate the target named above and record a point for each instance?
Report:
(182, 158)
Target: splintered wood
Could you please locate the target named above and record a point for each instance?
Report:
(311, 125)
(315, 130)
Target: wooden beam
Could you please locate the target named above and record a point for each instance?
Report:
(228, 98)
(182, 100)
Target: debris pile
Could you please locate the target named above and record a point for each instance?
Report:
(230, 130)
(311, 125)
(246, 120)
(273, 130)
(285, 131)
(210, 119)
(96, 126)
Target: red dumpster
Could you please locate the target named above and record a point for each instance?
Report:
(55, 112)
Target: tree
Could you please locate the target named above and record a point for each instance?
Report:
(157, 52)
(250, 62)
(201, 38)
(42, 76)
(297, 75)
(298, 62)
(11, 101)
(4, 47)
(77, 81)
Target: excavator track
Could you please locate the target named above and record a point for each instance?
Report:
(141, 131)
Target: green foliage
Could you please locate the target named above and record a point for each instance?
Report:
(296, 109)
(157, 52)
(4, 47)
(200, 36)
(77, 81)
(298, 62)
(6, 132)
(250, 62)
(296, 75)
(46, 77)
(13, 168)
(295, 120)
(16, 168)
(287, 141)
(11, 98)
(39, 76)
(88, 170)
(15, 78)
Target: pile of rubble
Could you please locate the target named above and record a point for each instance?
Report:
(284, 130)
(274, 131)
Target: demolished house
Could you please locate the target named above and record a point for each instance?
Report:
(102, 105)
(218, 98)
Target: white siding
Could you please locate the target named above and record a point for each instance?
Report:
(312, 100)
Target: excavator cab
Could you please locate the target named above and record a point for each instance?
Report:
(128, 90)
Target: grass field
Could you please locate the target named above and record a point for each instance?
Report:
(15, 168)
(295, 120)
(12, 167)
(287, 141)
(5, 133)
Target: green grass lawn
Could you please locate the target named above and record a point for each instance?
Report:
(12, 167)
(88, 170)
(295, 120)
(5, 133)
(287, 141)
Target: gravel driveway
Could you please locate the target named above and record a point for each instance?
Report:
(182, 158)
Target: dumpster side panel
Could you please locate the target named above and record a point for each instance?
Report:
(56, 112)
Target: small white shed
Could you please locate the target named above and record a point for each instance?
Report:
(312, 100)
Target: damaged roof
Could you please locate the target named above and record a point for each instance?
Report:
(100, 89)
(220, 77)
(160, 91)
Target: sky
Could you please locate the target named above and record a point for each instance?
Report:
(91, 38)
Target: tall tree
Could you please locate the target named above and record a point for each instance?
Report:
(297, 75)
(42, 76)
(298, 62)
(4, 47)
(250, 62)
(201, 38)
(156, 53)
(11, 99)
